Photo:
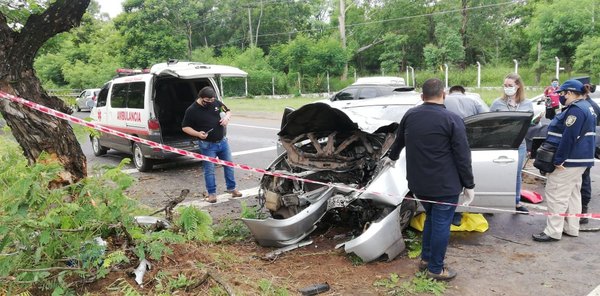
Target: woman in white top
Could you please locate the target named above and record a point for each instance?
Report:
(513, 99)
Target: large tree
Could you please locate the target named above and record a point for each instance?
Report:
(35, 131)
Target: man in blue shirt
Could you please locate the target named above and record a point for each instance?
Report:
(438, 165)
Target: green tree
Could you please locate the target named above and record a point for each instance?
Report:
(155, 31)
(587, 55)
(37, 132)
(559, 27)
(391, 58)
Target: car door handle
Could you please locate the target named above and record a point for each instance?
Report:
(503, 159)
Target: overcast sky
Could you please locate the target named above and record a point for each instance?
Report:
(112, 7)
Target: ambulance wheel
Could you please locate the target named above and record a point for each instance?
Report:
(98, 149)
(141, 163)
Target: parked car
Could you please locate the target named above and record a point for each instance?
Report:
(371, 87)
(86, 99)
(151, 105)
(342, 150)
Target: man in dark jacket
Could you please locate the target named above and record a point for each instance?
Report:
(438, 165)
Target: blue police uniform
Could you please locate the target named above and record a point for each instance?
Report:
(573, 133)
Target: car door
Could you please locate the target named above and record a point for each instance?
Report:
(494, 138)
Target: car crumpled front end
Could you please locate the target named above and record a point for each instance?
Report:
(338, 178)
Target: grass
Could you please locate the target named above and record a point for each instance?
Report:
(267, 105)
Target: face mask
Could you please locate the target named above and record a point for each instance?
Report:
(510, 91)
(555, 84)
(563, 100)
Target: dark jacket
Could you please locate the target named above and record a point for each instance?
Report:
(573, 132)
(438, 157)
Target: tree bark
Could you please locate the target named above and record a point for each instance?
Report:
(342, 20)
(463, 28)
(34, 131)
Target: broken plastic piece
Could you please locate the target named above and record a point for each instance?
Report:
(314, 289)
(141, 270)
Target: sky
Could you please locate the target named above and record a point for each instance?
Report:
(112, 7)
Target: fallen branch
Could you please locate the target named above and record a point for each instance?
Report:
(218, 279)
(171, 204)
(47, 269)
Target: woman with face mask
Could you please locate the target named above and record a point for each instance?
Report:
(572, 133)
(513, 99)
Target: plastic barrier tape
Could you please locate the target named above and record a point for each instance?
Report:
(103, 129)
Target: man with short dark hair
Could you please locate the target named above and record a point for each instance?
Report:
(458, 103)
(206, 120)
(438, 166)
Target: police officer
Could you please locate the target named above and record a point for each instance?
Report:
(572, 132)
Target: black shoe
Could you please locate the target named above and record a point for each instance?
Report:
(446, 274)
(457, 219)
(542, 237)
(584, 210)
(522, 210)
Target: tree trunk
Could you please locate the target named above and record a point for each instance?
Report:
(463, 29)
(342, 20)
(34, 131)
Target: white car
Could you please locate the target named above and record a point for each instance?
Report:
(86, 99)
(341, 150)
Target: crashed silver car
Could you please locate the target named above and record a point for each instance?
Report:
(335, 158)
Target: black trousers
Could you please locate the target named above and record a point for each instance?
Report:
(586, 188)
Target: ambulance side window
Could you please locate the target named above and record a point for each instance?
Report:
(119, 95)
(135, 98)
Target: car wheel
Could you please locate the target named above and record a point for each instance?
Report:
(77, 109)
(141, 163)
(98, 149)
(407, 211)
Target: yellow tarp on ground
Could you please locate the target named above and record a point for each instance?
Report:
(469, 222)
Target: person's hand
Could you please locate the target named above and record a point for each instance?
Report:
(469, 196)
(202, 135)
(388, 162)
(224, 118)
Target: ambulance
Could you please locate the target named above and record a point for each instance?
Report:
(150, 104)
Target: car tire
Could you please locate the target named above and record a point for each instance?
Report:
(141, 163)
(77, 109)
(98, 149)
(407, 212)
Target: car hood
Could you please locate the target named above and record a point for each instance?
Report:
(320, 137)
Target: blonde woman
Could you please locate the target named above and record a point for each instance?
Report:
(513, 99)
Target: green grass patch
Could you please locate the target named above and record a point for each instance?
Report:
(268, 105)
(419, 284)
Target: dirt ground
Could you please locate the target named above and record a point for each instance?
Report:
(501, 261)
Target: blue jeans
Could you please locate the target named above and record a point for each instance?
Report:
(219, 149)
(522, 155)
(436, 231)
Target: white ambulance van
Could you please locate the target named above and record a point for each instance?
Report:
(151, 105)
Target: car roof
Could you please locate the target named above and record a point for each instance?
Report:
(380, 80)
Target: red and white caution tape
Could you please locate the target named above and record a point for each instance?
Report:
(153, 144)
